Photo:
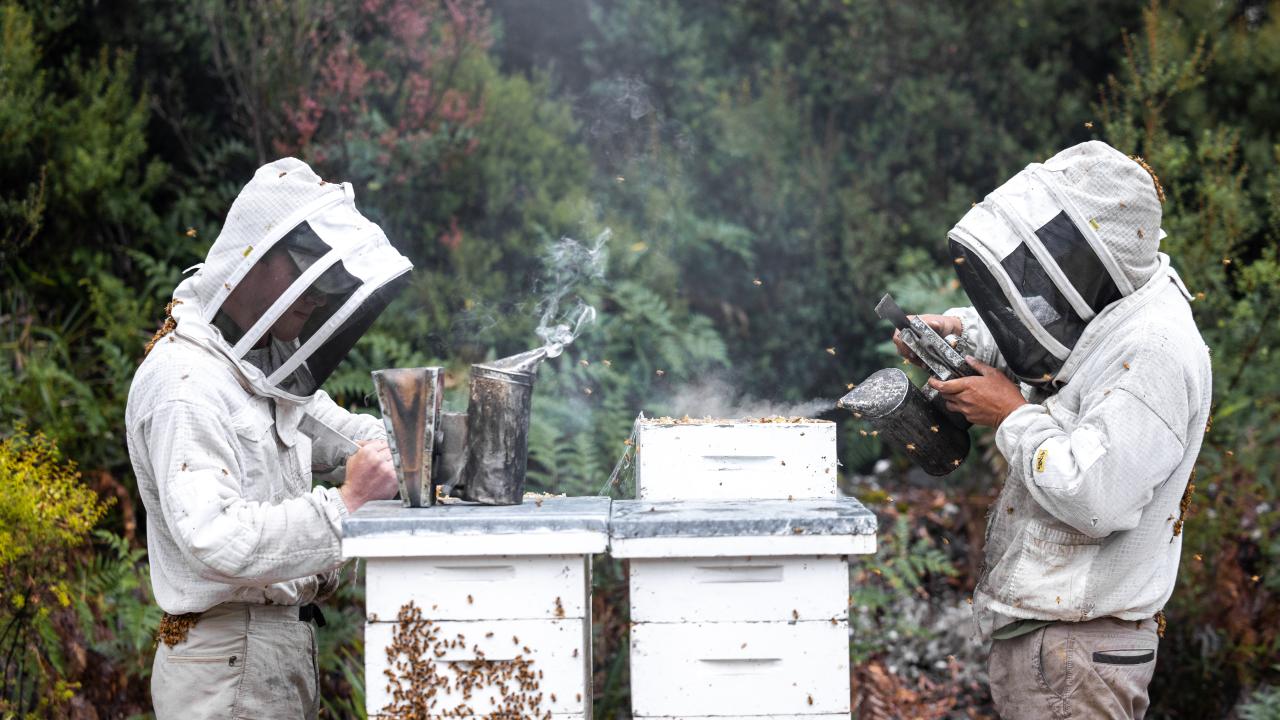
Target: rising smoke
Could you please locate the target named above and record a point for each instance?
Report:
(570, 269)
(718, 398)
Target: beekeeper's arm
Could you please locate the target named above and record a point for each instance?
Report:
(976, 339)
(1098, 476)
(225, 536)
(355, 426)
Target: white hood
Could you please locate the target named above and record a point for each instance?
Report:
(286, 198)
(1054, 247)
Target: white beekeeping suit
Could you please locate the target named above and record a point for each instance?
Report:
(1072, 296)
(293, 280)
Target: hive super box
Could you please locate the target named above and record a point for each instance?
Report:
(739, 583)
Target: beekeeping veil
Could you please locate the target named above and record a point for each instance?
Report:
(294, 279)
(1053, 247)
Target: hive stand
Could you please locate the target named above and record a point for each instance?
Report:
(510, 582)
(739, 607)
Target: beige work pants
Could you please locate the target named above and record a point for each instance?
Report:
(239, 661)
(1095, 669)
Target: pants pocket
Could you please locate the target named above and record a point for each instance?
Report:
(280, 673)
(228, 660)
(1059, 660)
(1124, 673)
(1124, 657)
(193, 682)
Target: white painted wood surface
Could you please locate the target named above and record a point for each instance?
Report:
(560, 649)
(783, 589)
(822, 716)
(475, 588)
(580, 716)
(465, 545)
(703, 669)
(767, 546)
(735, 460)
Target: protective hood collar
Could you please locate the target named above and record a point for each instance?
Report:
(333, 266)
(1052, 248)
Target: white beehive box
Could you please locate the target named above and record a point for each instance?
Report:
(506, 589)
(735, 459)
(739, 608)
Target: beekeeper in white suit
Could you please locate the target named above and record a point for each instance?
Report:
(241, 545)
(1098, 384)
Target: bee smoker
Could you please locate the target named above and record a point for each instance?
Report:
(411, 400)
(479, 455)
(915, 420)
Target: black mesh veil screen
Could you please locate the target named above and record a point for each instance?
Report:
(1028, 359)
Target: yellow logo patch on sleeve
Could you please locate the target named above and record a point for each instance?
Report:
(1042, 455)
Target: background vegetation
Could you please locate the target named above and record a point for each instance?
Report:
(767, 169)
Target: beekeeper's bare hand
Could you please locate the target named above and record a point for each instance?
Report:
(371, 475)
(985, 399)
(944, 325)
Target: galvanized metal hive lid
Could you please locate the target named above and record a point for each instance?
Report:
(535, 515)
(739, 518)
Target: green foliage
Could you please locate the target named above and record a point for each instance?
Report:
(47, 512)
(906, 563)
(47, 515)
(1264, 704)
(113, 602)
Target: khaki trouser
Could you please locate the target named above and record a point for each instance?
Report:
(239, 661)
(1095, 669)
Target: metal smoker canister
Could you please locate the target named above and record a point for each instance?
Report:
(410, 400)
(904, 417)
(498, 430)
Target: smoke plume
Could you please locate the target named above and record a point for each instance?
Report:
(716, 397)
(570, 269)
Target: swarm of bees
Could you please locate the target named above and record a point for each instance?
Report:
(417, 683)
